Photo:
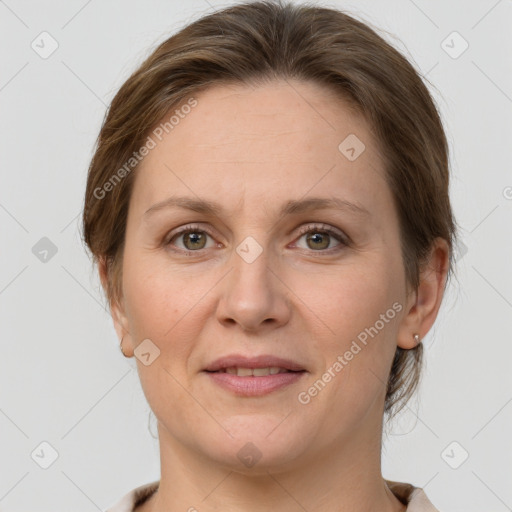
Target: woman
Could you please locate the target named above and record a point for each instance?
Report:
(268, 208)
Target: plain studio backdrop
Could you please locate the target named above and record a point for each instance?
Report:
(74, 424)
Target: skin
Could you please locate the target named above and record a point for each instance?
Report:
(252, 149)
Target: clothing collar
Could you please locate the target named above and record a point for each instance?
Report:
(414, 497)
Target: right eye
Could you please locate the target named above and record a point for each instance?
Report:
(193, 238)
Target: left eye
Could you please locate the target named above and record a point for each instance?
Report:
(319, 238)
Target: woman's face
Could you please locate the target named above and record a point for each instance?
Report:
(322, 287)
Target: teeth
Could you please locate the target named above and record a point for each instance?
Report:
(256, 372)
(243, 372)
(260, 372)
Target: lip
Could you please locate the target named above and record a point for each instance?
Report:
(261, 361)
(254, 386)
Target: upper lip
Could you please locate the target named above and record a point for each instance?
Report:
(261, 361)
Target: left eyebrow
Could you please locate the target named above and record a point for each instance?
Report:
(291, 207)
(322, 203)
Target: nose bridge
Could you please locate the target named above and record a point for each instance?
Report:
(252, 261)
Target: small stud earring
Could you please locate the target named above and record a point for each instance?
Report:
(417, 339)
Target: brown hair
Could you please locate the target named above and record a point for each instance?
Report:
(250, 43)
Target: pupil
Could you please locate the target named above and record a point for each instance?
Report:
(194, 238)
(317, 237)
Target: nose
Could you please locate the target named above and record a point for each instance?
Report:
(253, 294)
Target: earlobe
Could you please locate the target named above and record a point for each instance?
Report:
(121, 326)
(425, 302)
(119, 318)
(125, 354)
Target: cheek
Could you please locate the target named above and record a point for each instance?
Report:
(161, 304)
(170, 308)
(158, 297)
(361, 307)
(352, 298)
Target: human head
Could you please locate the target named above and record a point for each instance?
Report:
(253, 43)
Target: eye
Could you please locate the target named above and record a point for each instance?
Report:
(319, 237)
(194, 238)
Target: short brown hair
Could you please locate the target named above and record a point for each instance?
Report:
(254, 42)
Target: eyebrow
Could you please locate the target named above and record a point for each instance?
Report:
(291, 207)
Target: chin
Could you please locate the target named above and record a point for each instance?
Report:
(260, 444)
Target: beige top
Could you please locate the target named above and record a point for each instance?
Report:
(414, 497)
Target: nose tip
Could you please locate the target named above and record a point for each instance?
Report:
(251, 295)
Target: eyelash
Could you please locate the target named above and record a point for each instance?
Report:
(318, 228)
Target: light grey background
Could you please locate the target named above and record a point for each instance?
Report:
(62, 378)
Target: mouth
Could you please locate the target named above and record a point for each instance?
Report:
(265, 364)
(254, 376)
(254, 372)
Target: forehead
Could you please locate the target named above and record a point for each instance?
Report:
(265, 114)
(279, 137)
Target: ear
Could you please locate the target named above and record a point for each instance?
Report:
(424, 303)
(117, 311)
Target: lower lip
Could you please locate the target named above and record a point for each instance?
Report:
(254, 386)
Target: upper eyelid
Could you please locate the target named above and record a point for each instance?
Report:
(321, 226)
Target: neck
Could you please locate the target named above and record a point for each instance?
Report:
(347, 477)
